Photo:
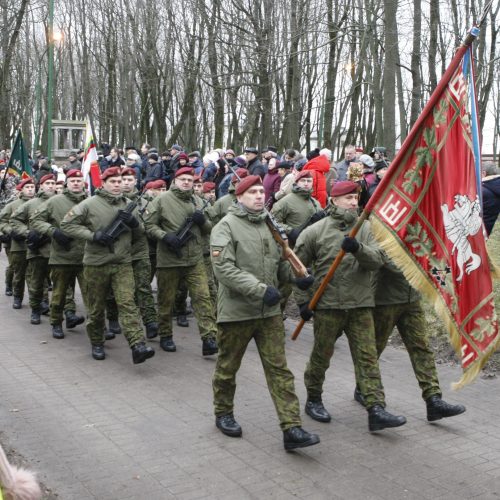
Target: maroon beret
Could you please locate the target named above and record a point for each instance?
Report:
(184, 171)
(241, 173)
(302, 174)
(208, 186)
(344, 187)
(48, 177)
(129, 171)
(74, 172)
(197, 178)
(183, 156)
(247, 183)
(158, 184)
(111, 172)
(23, 183)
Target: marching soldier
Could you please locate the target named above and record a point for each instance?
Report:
(17, 256)
(140, 260)
(247, 263)
(38, 247)
(66, 254)
(107, 262)
(177, 259)
(346, 305)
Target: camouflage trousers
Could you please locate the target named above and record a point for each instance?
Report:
(196, 282)
(143, 293)
(181, 296)
(99, 281)
(286, 289)
(37, 274)
(152, 261)
(212, 282)
(269, 335)
(63, 287)
(411, 324)
(9, 273)
(19, 265)
(359, 329)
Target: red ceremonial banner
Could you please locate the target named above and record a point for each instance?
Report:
(427, 217)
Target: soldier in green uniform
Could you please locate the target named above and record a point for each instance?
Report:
(107, 262)
(399, 304)
(175, 259)
(17, 255)
(140, 259)
(66, 254)
(38, 246)
(346, 305)
(248, 265)
(208, 196)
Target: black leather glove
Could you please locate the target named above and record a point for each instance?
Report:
(103, 238)
(272, 296)
(128, 219)
(350, 245)
(305, 313)
(305, 282)
(61, 238)
(316, 217)
(17, 237)
(293, 235)
(199, 218)
(172, 241)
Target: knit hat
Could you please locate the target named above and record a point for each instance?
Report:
(208, 186)
(48, 177)
(153, 156)
(74, 172)
(111, 172)
(247, 183)
(367, 161)
(344, 187)
(230, 152)
(312, 154)
(184, 171)
(241, 162)
(183, 156)
(176, 147)
(129, 171)
(285, 164)
(23, 183)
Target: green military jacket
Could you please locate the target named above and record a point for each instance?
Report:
(220, 208)
(246, 260)
(47, 218)
(353, 284)
(392, 286)
(140, 247)
(5, 225)
(20, 222)
(94, 214)
(295, 209)
(167, 214)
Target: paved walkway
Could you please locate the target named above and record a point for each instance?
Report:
(114, 431)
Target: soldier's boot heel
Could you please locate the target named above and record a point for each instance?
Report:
(209, 347)
(57, 331)
(168, 344)
(114, 327)
(379, 419)
(44, 307)
(228, 425)
(358, 396)
(296, 437)
(316, 410)
(8, 291)
(73, 320)
(438, 409)
(35, 317)
(18, 303)
(152, 330)
(141, 352)
(182, 320)
(98, 352)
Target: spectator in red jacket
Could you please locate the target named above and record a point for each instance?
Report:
(319, 165)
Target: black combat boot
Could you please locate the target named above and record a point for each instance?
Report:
(228, 425)
(44, 307)
(152, 330)
(18, 303)
(57, 331)
(98, 352)
(379, 419)
(114, 326)
(8, 291)
(73, 320)
(438, 409)
(141, 352)
(209, 347)
(35, 317)
(168, 344)
(358, 396)
(108, 335)
(296, 437)
(316, 410)
(182, 320)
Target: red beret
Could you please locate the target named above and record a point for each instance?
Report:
(208, 186)
(344, 187)
(183, 156)
(184, 171)
(241, 173)
(247, 183)
(129, 171)
(23, 183)
(197, 178)
(302, 174)
(74, 172)
(111, 172)
(48, 177)
(158, 184)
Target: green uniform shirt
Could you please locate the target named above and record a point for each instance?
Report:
(140, 247)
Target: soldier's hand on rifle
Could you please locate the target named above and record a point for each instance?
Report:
(305, 313)
(172, 241)
(350, 245)
(103, 238)
(33, 237)
(128, 219)
(305, 282)
(272, 296)
(199, 218)
(17, 236)
(293, 235)
(61, 238)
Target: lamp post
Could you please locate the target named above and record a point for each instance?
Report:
(50, 83)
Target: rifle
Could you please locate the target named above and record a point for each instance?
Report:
(313, 219)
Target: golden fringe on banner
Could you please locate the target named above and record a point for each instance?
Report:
(390, 244)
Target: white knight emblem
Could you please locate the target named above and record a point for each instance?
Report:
(460, 223)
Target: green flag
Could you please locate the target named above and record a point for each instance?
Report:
(18, 162)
